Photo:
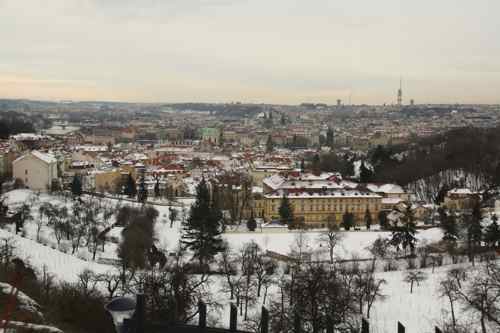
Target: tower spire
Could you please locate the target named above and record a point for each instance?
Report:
(400, 92)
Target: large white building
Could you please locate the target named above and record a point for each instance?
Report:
(36, 170)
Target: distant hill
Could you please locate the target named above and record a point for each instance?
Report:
(471, 150)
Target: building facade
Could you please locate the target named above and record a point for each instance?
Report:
(36, 170)
(316, 199)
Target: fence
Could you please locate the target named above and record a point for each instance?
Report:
(138, 324)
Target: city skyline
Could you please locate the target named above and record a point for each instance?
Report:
(282, 52)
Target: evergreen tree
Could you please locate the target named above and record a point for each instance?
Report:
(365, 174)
(382, 219)
(496, 176)
(157, 188)
(221, 137)
(322, 140)
(329, 137)
(404, 235)
(130, 187)
(316, 164)
(347, 220)
(76, 186)
(201, 231)
(172, 215)
(492, 233)
(286, 211)
(441, 194)
(449, 226)
(368, 219)
(283, 119)
(142, 194)
(474, 231)
(269, 144)
(251, 223)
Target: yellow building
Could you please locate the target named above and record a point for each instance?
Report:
(316, 199)
(316, 208)
(106, 181)
(461, 199)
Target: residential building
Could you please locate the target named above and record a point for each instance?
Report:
(36, 170)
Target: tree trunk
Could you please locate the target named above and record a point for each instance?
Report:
(452, 313)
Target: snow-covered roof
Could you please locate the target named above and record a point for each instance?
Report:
(257, 189)
(92, 148)
(61, 130)
(47, 158)
(385, 188)
(391, 201)
(462, 191)
(273, 181)
(326, 194)
(28, 137)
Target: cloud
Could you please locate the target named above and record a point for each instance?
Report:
(277, 50)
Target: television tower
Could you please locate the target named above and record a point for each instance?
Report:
(400, 92)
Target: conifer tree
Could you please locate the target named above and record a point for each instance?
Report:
(368, 219)
(269, 144)
(449, 226)
(347, 220)
(492, 233)
(157, 188)
(286, 211)
(404, 235)
(76, 186)
(329, 137)
(316, 165)
(201, 231)
(142, 194)
(382, 219)
(365, 174)
(130, 187)
(474, 231)
(251, 223)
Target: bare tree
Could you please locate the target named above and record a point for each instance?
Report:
(448, 288)
(249, 255)
(332, 236)
(228, 266)
(482, 295)
(87, 282)
(43, 211)
(414, 276)
(111, 281)
(265, 268)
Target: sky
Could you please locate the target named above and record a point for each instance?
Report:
(259, 51)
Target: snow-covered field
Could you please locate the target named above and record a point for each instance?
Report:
(419, 311)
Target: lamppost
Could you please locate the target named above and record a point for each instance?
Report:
(121, 310)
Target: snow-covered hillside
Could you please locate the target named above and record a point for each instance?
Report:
(419, 311)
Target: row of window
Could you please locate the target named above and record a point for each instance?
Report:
(329, 208)
(330, 200)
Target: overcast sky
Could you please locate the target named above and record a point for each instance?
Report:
(273, 51)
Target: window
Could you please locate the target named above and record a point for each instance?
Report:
(26, 171)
